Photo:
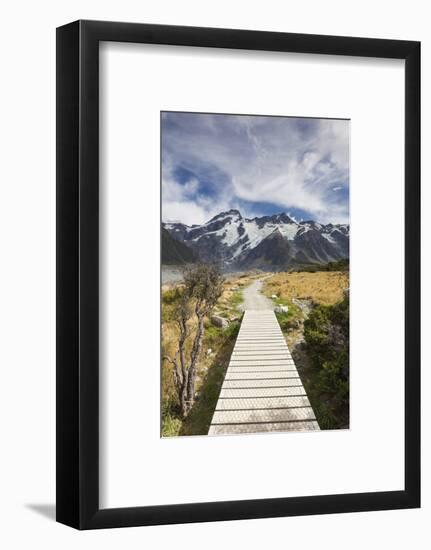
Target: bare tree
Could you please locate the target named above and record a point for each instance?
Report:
(203, 285)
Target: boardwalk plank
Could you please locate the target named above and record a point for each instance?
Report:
(262, 403)
(266, 415)
(269, 357)
(263, 362)
(265, 351)
(272, 346)
(238, 393)
(285, 382)
(261, 334)
(262, 390)
(286, 375)
(231, 429)
(263, 368)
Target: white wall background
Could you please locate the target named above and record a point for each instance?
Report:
(27, 348)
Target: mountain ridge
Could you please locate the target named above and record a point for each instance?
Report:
(272, 242)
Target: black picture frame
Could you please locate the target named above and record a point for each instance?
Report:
(78, 274)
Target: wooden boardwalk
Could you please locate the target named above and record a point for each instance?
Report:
(262, 390)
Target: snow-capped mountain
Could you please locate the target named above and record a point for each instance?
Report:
(269, 242)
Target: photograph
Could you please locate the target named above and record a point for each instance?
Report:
(255, 274)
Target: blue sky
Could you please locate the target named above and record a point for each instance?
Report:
(259, 165)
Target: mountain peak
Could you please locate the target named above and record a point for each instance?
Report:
(285, 218)
(279, 219)
(231, 212)
(228, 213)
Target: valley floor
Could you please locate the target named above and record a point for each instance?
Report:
(171, 274)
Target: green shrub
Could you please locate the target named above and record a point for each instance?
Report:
(326, 333)
(172, 295)
(231, 332)
(340, 265)
(170, 299)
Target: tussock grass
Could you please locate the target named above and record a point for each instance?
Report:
(321, 287)
(237, 299)
(171, 424)
(232, 297)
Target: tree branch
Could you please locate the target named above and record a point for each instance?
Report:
(178, 379)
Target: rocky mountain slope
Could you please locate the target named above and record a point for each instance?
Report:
(268, 242)
(175, 252)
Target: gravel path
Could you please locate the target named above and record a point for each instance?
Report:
(254, 299)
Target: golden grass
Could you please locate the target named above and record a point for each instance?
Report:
(322, 287)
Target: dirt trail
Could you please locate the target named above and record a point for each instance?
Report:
(254, 299)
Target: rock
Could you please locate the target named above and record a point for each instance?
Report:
(296, 324)
(304, 305)
(209, 351)
(281, 309)
(218, 321)
(274, 296)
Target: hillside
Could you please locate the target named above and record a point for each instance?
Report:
(175, 252)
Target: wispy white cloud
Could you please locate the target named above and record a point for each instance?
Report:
(183, 202)
(247, 162)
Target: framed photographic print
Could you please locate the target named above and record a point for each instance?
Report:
(245, 282)
(238, 281)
